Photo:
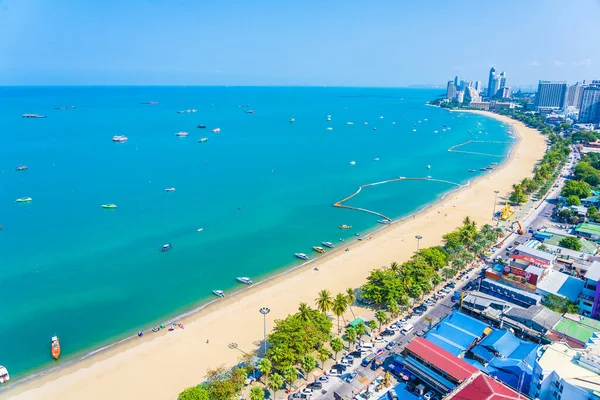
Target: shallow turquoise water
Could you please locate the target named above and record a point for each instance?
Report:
(262, 189)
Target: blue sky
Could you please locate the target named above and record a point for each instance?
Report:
(295, 42)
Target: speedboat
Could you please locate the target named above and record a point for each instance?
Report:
(376, 159)
(292, 120)
(181, 134)
(345, 226)
(381, 117)
(357, 234)
(109, 206)
(319, 249)
(202, 126)
(119, 138)
(471, 170)
(33, 116)
(171, 189)
(384, 221)
(349, 123)
(219, 293)
(374, 128)
(249, 111)
(483, 169)
(301, 256)
(202, 140)
(216, 130)
(21, 168)
(4, 376)
(244, 280)
(328, 244)
(166, 247)
(352, 162)
(414, 130)
(329, 118)
(429, 167)
(199, 229)
(155, 329)
(366, 123)
(329, 128)
(435, 131)
(149, 102)
(55, 347)
(24, 200)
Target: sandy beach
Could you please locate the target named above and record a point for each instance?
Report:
(159, 366)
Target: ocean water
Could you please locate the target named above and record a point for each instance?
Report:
(262, 189)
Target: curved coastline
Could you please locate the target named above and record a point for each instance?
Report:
(124, 367)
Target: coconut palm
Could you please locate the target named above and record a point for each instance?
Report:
(275, 383)
(448, 273)
(257, 393)
(337, 345)
(340, 305)
(395, 267)
(372, 326)
(458, 263)
(309, 363)
(350, 336)
(469, 223)
(381, 317)
(290, 374)
(323, 356)
(264, 366)
(324, 302)
(351, 296)
(360, 329)
(394, 309)
(304, 312)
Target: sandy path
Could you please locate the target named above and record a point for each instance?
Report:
(159, 366)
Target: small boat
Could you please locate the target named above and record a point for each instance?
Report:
(376, 159)
(394, 123)
(140, 333)
(219, 293)
(425, 119)
(483, 169)
(182, 134)
(349, 123)
(4, 376)
(471, 170)
(249, 111)
(429, 167)
(244, 280)
(384, 221)
(301, 256)
(419, 121)
(21, 168)
(202, 126)
(199, 229)
(33, 116)
(180, 326)
(435, 131)
(352, 162)
(109, 206)
(24, 200)
(374, 128)
(345, 226)
(381, 117)
(65, 108)
(329, 128)
(202, 140)
(328, 244)
(166, 247)
(216, 130)
(155, 329)
(329, 118)
(172, 327)
(319, 249)
(171, 189)
(366, 123)
(55, 347)
(150, 102)
(292, 120)
(119, 138)
(414, 130)
(357, 234)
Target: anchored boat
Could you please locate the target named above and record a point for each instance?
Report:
(244, 280)
(55, 347)
(24, 200)
(301, 256)
(109, 206)
(219, 293)
(21, 168)
(345, 226)
(4, 376)
(328, 244)
(166, 247)
(319, 249)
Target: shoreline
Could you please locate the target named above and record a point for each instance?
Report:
(183, 356)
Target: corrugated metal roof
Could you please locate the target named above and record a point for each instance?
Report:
(484, 387)
(441, 359)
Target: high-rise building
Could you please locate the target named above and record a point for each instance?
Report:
(460, 96)
(456, 81)
(550, 95)
(505, 91)
(502, 80)
(589, 111)
(573, 96)
(477, 85)
(491, 82)
(451, 90)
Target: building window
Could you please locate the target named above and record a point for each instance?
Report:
(590, 286)
(539, 386)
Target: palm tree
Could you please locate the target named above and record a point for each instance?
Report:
(350, 336)
(304, 312)
(351, 296)
(469, 223)
(395, 267)
(275, 383)
(381, 317)
(394, 309)
(264, 366)
(406, 281)
(257, 393)
(360, 329)
(290, 374)
(323, 356)
(337, 345)
(324, 302)
(309, 363)
(458, 263)
(372, 326)
(448, 273)
(340, 305)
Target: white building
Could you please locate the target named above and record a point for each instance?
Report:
(561, 372)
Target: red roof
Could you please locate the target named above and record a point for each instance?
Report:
(441, 359)
(485, 388)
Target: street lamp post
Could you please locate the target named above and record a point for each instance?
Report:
(264, 311)
(418, 237)
(495, 202)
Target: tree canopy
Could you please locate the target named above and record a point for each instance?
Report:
(570, 242)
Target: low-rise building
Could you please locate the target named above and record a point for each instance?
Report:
(588, 230)
(480, 105)
(589, 300)
(560, 284)
(457, 333)
(538, 318)
(509, 293)
(482, 387)
(578, 329)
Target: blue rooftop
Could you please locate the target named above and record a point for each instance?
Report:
(456, 332)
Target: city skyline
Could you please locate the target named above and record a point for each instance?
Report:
(144, 42)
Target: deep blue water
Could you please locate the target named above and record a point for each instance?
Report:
(262, 189)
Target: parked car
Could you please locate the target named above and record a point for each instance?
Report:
(388, 332)
(307, 391)
(379, 339)
(391, 344)
(345, 362)
(315, 386)
(419, 333)
(351, 377)
(334, 372)
(429, 395)
(341, 367)
(510, 248)
(323, 379)
(298, 396)
(350, 357)
(418, 312)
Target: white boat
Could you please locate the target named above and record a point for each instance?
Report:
(199, 229)
(328, 244)
(244, 280)
(381, 117)
(329, 118)
(202, 140)
(171, 189)
(429, 167)
(329, 128)
(394, 123)
(119, 138)
(419, 121)
(352, 162)
(4, 376)
(216, 130)
(425, 119)
(301, 256)
(435, 131)
(181, 134)
(219, 293)
(414, 130)
(376, 159)
(349, 123)
(384, 221)
(24, 200)
(366, 123)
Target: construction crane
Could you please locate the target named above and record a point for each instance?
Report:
(520, 231)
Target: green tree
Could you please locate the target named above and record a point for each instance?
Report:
(290, 374)
(372, 326)
(256, 393)
(560, 304)
(351, 297)
(304, 312)
(435, 256)
(360, 329)
(275, 383)
(323, 356)
(570, 242)
(340, 305)
(350, 336)
(264, 366)
(436, 280)
(415, 292)
(573, 200)
(337, 345)
(381, 317)
(394, 309)
(222, 383)
(518, 195)
(309, 363)
(566, 214)
(194, 393)
(448, 273)
(324, 302)
(576, 188)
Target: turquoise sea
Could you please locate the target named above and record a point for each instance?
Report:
(262, 189)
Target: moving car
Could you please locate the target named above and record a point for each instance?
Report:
(391, 345)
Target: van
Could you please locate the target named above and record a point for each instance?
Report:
(367, 346)
(406, 329)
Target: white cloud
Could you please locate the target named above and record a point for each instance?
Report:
(534, 63)
(558, 63)
(586, 62)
